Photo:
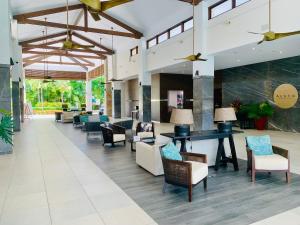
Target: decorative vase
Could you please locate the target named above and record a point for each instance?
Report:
(261, 124)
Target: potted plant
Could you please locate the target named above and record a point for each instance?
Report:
(260, 113)
(6, 127)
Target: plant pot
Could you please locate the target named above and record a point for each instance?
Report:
(261, 124)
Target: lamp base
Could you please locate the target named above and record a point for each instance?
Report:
(225, 127)
(182, 130)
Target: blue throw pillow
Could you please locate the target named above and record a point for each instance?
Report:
(260, 145)
(170, 151)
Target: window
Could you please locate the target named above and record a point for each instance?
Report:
(171, 32)
(134, 51)
(162, 37)
(240, 2)
(224, 6)
(221, 8)
(188, 25)
(175, 31)
(152, 42)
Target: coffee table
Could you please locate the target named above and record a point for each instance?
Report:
(132, 142)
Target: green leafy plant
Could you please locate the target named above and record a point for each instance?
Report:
(6, 127)
(258, 110)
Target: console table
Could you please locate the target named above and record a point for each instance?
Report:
(210, 134)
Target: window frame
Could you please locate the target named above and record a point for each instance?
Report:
(136, 48)
(168, 32)
(233, 6)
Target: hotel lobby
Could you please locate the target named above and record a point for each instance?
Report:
(138, 112)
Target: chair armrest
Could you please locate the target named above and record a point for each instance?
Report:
(177, 172)
(118, 129)
(281, 151)
(187, 156)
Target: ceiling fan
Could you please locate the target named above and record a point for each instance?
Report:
(68, 44)
(96, 6)
(193, 57)
(271, 35)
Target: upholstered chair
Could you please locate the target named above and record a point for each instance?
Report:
(188, 172)
(266, 159)
(113, 134)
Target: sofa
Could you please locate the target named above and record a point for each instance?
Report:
(148, 155)
(67, 117)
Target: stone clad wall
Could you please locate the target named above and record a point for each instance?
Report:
(257, 82)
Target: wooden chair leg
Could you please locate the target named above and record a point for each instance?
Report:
(288, 177)
(205, 183)
(190, 192)
(253, 175)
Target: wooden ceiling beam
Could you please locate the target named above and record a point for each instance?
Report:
(78, 28)
(28, 47)
(193, 2)
(42, 38)
(81, 65)
(86, 61)
(109, 51)
(45, 12)
(55, 74)
(121, 24)
(63, 54)
(57, 63)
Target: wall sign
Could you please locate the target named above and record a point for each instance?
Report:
(286, 96)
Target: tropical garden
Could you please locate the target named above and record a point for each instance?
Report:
(47, 97)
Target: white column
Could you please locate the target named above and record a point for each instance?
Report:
(144, 83)
(88, 95)
(5, 43)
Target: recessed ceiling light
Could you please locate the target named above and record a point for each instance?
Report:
(253, 48)
(238, 60)
(280, 52)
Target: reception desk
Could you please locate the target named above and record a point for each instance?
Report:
(212, 140)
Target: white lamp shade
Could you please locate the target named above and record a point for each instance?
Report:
(225, 114)
(182, 116)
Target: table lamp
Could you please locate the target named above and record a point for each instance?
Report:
(182, 118)
(224, 116)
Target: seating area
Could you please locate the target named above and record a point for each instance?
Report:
(139, 112)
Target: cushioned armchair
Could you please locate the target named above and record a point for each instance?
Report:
(186, 173)
(113, 134)
(145, 130)
(92, 128)
(277, 161)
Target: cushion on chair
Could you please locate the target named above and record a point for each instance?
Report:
(119, 137)
(84, 118)
(260, 145)
(170, 151)
(199, 171)
(271, 162)
(145, 134)
(94, 118)
(146, 127)
(104, 118)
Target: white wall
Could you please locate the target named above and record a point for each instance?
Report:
(5, 34)
(225, 32)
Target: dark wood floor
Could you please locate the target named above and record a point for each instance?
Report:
(231, 198)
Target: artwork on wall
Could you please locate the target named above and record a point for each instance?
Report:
(175, 100)
(285, 96)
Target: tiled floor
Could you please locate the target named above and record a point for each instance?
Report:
(47, 180)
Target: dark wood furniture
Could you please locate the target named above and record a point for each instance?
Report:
(211, 134)
(131, 140)
(92, 128)
(276, 150)
(108, 132)
(58, 116)
(180, 172)
(76, 121)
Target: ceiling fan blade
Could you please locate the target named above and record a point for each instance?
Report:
(94, 4)
(95, 15)
(287, 34)
(261, 41)
(113, 3)
(250, 32)
(77, 46)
